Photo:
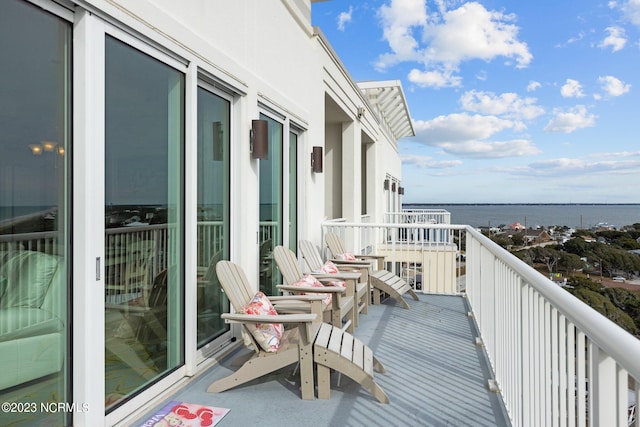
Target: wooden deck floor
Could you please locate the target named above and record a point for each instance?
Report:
(436, 376)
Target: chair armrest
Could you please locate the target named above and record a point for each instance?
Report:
(343, 275)
(313, 289)
(355, 264)
(277, 318)
(295, 298)
(371, 256)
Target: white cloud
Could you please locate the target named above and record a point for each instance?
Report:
(466, 135)
(572, 89)
(570, 121)
(575, 166)
(509, 105)
(614, 86)
(459, 127)
(533, 85)
(631, 10)
(615, 40)
(344, 18)
(616, 154)
(399, 19)
(427, 162)
(449, 38)
(434, 78)
(492, 149)
(473, 32)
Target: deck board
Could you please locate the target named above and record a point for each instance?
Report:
(436, 376)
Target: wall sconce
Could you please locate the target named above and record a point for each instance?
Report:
(259, 139)
(401, 190)
(386, 184)
(218, 135)
(49, 145)
(361, 112)
(393, 187)
(316, 159)
(36, 149)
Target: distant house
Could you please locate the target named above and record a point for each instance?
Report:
(531, 236)
(517, 226)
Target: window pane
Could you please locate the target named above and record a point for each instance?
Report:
(293, 192)
(213, 211)
(271, 207)
(35, 93)
(144, 108)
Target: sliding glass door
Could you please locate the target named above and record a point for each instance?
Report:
(35, 112)
(144, 140)
(213, 210)
(271, 206)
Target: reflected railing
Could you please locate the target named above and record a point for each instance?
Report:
(555, 360)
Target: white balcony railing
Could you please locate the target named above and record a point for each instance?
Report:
(418, 216)
(555, 360)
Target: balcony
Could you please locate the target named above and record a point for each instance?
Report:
(490, 342)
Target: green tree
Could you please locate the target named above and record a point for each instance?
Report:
(603, 305)
(570, 262)
(577, 246)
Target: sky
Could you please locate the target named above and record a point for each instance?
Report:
(511, 101)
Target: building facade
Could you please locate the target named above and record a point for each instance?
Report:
(130, 163)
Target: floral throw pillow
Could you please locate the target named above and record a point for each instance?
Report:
(347, 256)
(328, 268)
(268, 335)
(309, 280)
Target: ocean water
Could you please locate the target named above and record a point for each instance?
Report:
(532, 215)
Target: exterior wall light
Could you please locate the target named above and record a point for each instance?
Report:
(259, 139)
(316, 159)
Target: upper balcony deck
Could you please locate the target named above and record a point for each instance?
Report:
(436, 375)
(552, 359)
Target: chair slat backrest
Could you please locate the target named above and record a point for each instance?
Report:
(310, 255)
(334, 243)
(288, 264)
(235, 284)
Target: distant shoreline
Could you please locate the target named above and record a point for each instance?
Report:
(521, 204)
(575, 215)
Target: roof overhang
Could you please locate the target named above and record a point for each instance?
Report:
(391, 103)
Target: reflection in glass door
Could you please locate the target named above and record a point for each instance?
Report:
(271, 207)
(144, 133)
(213, 211)
(35, 112)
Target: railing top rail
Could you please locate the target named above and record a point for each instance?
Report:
(392, 225)
(614, 340)
(421, 210)
(134, 229)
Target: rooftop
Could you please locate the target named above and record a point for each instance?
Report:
(436, 375)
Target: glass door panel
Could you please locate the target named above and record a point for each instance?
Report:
(271, 207)
(213, 211)
(293, 192)
(144, 133)
(35, 113)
